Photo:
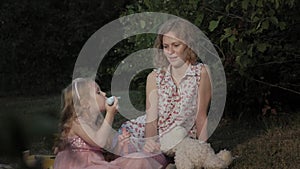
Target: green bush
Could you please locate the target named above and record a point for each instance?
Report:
(255, 40)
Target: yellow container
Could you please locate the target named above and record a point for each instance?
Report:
(45, 161)
(48, 162)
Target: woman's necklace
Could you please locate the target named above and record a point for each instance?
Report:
(176, 80)
(176, 77)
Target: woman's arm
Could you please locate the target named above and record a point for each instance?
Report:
(151, 106)
(151, 114)
(204, 96)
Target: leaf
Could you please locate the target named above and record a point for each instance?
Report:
(255, 19)
(226, 35)
(259, 3)
(276, 4)
(267, 58)
(282, 25)
(258, 25)
(228, 31)
(194, 4)
(265, 24)
(238, 59)
(245, 4)
(227, 8)
(250, 50)
(148, 4)
(232, 39)
(274, 20)
(250, 31)
(214, 24)
(199, 19)
(271, 12)
(261, 47)
(253, 2)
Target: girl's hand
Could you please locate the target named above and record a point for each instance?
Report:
(113, 109)
(151, 146)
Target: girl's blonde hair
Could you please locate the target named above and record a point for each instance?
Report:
(76, 100)
(183, 31)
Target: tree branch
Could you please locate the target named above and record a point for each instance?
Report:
(225, 14)
(275, 62)
(276, 86)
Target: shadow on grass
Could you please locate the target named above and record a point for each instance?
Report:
(27, 123)
(231, 133)
(271, 142)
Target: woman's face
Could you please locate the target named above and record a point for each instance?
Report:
(174, 49)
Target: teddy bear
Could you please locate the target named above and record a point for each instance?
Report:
(191, 153)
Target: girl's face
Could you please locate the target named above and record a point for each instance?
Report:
(100, 98)
(174, 49)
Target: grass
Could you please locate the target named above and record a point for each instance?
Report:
(261, 146)
(31, 122)
(276, 147)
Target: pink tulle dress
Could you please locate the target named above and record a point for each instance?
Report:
(80, 155)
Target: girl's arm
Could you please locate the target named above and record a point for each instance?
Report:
(97, 138)
(204, 96)
(79, 131)
(151, 113)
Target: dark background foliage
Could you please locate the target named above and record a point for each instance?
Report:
(257, 40)
(40, 41)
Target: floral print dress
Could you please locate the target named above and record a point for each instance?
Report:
(177, 105)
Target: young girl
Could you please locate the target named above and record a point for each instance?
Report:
(85, 130)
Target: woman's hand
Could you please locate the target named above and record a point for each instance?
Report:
(151, 146)
(124, 137)
(123, 141)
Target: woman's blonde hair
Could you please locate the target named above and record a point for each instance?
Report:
(183, 31)
(76, 99)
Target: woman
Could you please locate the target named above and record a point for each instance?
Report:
(178, 93)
